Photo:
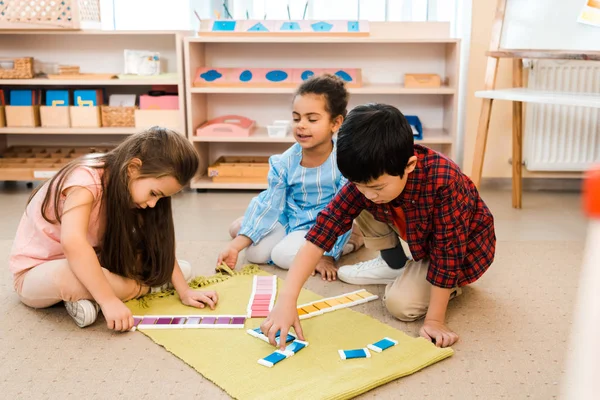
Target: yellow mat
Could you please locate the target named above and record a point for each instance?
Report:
(228, 357)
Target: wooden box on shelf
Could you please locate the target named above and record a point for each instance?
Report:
(23, 116)
(164, 118)
(422, 81)
(84, 117)
(16, 68)
(118, 116)
(231, 169)
(55, 116)
(2, 117)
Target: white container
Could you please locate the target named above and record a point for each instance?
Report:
(280, 128)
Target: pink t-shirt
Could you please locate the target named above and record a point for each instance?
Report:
(37, 240)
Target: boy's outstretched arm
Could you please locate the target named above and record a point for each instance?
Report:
(434, 327)
(285, 314)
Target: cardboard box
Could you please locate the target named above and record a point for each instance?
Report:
(85, 117)
(23, 116)
(55, 117)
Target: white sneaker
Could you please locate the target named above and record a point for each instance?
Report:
(83, 312)
(372, 272)
(186, 270)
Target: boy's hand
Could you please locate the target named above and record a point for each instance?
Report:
(194, 298)
(228, 256)
(326, 267)
(283, 316)
(118, 316)
(438, 333)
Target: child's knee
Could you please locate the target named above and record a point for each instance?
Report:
(405, 307)
(258, 254)
(282, 257)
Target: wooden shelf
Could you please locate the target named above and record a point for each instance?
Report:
(204, 182)
(391, 50)
(430, 136)
(366, 89)
(542, 97)
(315, 39)
(77, 82)
(68, 131)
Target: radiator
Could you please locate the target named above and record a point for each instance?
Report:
(562, 138)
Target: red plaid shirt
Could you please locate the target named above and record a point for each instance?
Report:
(446, 220)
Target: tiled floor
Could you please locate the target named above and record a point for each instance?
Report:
(513, 323)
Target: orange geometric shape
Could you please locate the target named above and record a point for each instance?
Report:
(310, 309)
(322, 305)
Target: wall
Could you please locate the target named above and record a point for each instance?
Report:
(499, 145)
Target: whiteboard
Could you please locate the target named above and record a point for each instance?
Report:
(547, 25)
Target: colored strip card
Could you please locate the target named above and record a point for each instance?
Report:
(259, 335)
(330, 304)
(188, 322)
(356, 353)
(382, 345)
(278, 355)
(262, 297)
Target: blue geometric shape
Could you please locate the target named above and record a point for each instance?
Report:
(21, 98)
(290, 26)
(321, 26)
(211, 75)
(344, 76)
(307, 74)
(353, 26)
(61, 96)
(223, 26)
(277, 75)
(246, 76)
(258, 28)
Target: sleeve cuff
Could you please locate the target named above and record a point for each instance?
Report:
(442, 278)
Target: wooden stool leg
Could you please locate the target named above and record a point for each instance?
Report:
(481, 140)
(517, 136)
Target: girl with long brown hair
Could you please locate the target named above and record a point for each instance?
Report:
(100, 232)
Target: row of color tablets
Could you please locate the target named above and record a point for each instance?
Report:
(323, 306)
(378, 347)
(257, 333)
(262, 297)
(278, 355)
(189, 322)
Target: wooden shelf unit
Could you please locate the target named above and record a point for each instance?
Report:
(384, 58)
(95, 52)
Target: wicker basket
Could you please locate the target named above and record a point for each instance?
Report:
(16, 68)
(118, 116)
(46, 14)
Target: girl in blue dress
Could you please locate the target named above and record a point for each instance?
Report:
(302, 181)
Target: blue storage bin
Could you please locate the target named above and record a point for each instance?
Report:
(416, 122)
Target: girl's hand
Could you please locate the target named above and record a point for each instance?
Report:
(228, 256)
(194, 298)
(117, 315)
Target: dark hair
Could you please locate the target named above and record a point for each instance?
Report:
(332, 88)
(137, 243)
(375, 139)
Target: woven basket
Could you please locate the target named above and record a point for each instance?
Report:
(50, 14)
(22, 68)
(118, 116)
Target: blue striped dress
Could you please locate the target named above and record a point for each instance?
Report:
(295, 197)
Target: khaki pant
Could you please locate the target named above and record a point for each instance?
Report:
(407, 298)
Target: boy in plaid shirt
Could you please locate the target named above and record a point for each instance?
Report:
(415, 206)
